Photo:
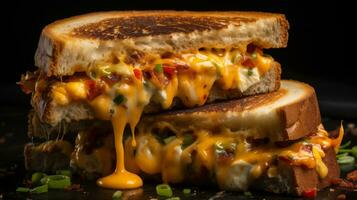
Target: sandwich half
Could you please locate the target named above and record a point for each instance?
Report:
(273, 142)
(113, 66)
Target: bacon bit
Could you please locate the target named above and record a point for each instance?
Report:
(310, 193)
(137, 74)
(147, 74)
(169, 71)
(182, 68)
(352, 176)
(341, 197)
(247, 62)
(111, 79)
(158, 80)
(93, 89)
(346, 184)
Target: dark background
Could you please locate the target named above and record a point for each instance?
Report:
(317, 53)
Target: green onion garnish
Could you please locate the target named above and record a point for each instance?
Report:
(64, 173)
(187, 191)
(57, 181)
(219, 148)
(346, 160)
(354, 151)
(40, 189)
(341, 155)
(117, 195)
(158, 68)
(119, 99)
(36, 177)
(250, 72)
(173, 198)
(92, 75)
(187, 140)
(164, 190)
(254, 55)
(345, 145)
(169, 139)
(22, 189)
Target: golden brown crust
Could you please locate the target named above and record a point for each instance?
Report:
(301, 118)
(67, 46)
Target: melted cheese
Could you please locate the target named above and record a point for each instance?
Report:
(248, 162)
(195, 92)
(192, 87)
(120, 179)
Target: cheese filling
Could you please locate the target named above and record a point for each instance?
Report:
(224, 153)
(119, 91)
(224, 157)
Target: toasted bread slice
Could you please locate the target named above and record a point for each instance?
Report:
(49, 112)
(74, 44)
(290, 113)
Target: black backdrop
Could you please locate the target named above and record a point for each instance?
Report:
(316, 52)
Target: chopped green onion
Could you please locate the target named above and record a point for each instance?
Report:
(345, 160)
(119, 99)
(57, 181)
(187, 191)
(92, 75)
(250, 72)
(173, 198)
(254, 55)
(158, 68)
(247, 193)
(354, 151)
(341, 155)
(117, 195)
(169, 139)
(219, 148)
(236, 58)
(36, 177)
(22, 189)
(64, 172)
(345, 151)
(40, 189)
(164, 190)
(187, 140)
(106, 71)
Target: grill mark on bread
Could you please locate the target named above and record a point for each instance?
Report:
(140, 26)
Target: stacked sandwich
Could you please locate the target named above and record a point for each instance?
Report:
(185, 96)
